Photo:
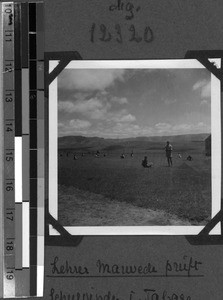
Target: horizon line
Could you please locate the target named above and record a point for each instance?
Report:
(132, 137)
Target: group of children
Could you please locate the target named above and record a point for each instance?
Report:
(168, 149)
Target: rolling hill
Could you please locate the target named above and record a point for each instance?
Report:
(90, 143)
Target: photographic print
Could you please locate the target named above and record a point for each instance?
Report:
(135, 145)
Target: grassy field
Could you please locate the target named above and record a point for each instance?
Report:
(183, 190)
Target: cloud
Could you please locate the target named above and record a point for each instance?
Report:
(65, 106)
(204, 87)
(79, 124)
(118, 100)
(125, 130)
(199, 84)
(206, 90)
(73, 127)
(81, 96)
(166, 128)
(89, 79)
(92, 108)
(102, 129)
(127, 118)
(121, 116)
(182, 127)
(96, 109)
(162, 127)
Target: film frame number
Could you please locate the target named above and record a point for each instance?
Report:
(9, 246)
(8, 67)
(9, 186)
(9, 156)
(10, 275)
(10, 215)
(8, 97)
(8, 127)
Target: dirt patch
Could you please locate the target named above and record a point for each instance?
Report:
(83, 208)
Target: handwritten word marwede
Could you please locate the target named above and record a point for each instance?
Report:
(104, 268)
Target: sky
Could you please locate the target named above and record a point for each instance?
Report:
(122, 103)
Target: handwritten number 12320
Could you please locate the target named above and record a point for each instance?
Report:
(103, 34)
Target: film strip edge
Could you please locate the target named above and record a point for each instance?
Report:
(8, 181)
(1, 155)
(22, 63)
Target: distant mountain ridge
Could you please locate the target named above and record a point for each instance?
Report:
(81, 142)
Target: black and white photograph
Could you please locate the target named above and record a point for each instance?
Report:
(135, 145)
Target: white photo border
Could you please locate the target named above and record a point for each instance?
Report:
(215, 145)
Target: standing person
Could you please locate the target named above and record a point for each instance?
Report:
(169, 150)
